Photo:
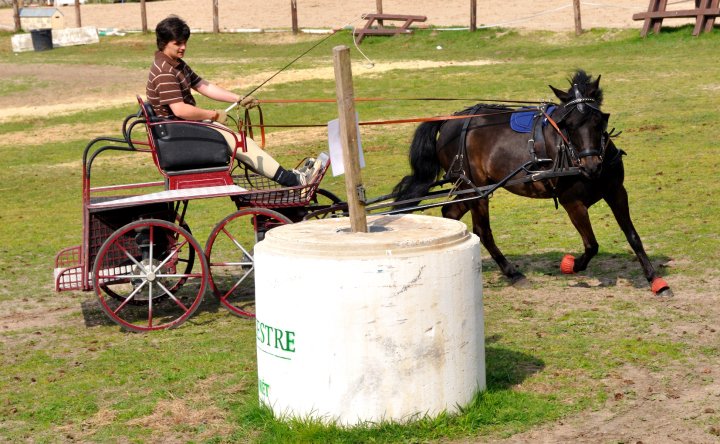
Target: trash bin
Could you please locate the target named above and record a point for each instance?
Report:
(41, 39)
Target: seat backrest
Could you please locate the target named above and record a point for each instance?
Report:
(186, 145)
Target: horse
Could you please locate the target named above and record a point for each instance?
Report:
(477, 147)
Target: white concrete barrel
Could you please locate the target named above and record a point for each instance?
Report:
(363, 327)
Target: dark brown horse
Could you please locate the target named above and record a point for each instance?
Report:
(484, 150)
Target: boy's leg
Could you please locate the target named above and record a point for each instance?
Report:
(262, 162)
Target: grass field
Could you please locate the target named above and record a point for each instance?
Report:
(558, 351)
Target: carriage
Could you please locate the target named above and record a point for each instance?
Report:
(149, 272)
(138, 253)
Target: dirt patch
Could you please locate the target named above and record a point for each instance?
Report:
(679, 403)
(56, 88)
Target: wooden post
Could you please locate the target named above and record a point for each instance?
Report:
(143, 16)
(16, 14)
(293, 13)
(473, 15)
(378, 6)
(578, 22)
(78, 20)
(216, 17)
(349, 138)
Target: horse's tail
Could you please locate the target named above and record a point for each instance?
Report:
(424, 164)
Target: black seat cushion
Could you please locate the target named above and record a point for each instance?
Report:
(185, 146)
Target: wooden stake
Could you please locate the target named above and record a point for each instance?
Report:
(378, 6)
(78, 20)
(293, 13)
(578, 22)
(473, 15)
(16, 15)
(216, 17)
(143, 16)
(349, 138)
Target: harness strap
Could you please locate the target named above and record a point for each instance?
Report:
(457, 167)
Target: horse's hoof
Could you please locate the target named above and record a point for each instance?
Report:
(519, 281)
(661, 288)
(567, 264)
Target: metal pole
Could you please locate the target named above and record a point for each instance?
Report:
(473, 15)
(349, 138)
(16, 14)
(78, 20)
(293, 13)
(143, 16)
(578, 22)
(216, 17)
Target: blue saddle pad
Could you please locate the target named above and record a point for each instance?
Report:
(522, 121)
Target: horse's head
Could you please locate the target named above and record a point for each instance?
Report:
(581, 121)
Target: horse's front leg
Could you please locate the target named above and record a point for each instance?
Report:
(480, 210)
(618, 203)
(580, 218)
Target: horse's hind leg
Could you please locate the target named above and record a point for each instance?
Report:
(580, 218)
(618, 203)
(480, 211)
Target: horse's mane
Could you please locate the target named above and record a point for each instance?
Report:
(584, 83)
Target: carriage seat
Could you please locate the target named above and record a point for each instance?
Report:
(186, 147)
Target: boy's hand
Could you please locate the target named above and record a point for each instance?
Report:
(220, 116)
(248, 102)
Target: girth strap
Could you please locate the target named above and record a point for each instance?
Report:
(536, 144)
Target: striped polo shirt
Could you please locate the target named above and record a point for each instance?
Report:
(170, 81)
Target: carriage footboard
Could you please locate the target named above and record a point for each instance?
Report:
(68, 269)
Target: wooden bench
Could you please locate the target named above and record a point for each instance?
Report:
(705, 13)
(408, 20)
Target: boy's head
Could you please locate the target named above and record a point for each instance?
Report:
(169, 29)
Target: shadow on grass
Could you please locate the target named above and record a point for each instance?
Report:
(94, 316)
(506, 368)
(608, 268)
(499, 407)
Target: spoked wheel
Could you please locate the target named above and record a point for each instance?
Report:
(184, 265)
(230, 254)
(143, 275)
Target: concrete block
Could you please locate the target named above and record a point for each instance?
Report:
(61, 37)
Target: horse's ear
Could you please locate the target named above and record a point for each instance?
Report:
(594, 86)
(562, 95)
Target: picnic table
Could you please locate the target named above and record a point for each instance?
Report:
(705, 13)
(368, 29)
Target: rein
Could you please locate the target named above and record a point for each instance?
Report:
(247, 126)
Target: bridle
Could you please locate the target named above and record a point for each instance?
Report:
(581, 104)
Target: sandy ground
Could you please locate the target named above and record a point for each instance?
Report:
(246, 14)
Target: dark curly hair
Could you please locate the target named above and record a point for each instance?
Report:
(169, 29)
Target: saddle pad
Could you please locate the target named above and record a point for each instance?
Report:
(522, 121)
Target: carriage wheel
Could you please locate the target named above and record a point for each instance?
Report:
(184, 264)
(143, 275)
(230, 254)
